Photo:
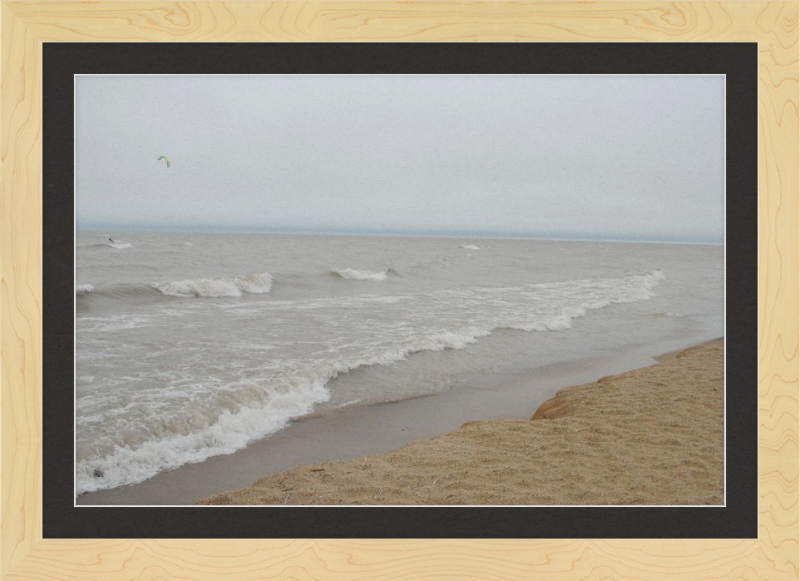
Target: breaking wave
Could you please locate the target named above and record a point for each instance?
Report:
(217, 287)
(173, 443)
(228, 425)
(353, 274)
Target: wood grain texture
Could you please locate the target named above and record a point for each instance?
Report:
(23, 28)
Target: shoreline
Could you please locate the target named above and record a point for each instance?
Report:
(357, 432)
(649, 436)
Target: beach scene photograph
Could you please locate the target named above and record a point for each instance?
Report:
(393, 290)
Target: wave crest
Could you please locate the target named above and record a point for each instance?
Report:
(217, 287)
(353, 274)
(228, 432)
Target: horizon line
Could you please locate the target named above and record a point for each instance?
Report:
(586, 237)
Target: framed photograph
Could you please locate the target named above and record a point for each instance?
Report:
(385, 189)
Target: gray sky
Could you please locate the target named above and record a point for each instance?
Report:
(620, 157)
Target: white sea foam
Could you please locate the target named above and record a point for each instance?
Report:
(230, 432)
(353, 274)
(217, 287)
(469, 247)
(112, 323)
(83, 289)
(349, 403)
(119, 245)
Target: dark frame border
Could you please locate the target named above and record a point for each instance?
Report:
(738, 61)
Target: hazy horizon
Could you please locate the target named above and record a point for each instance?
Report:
(112, 230)
(637, 158)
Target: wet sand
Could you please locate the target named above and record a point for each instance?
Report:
(512, 393)
(649, 436)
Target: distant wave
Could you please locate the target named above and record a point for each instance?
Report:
(469, 247)
(353, 274)
(117, 245)
(120, 291)
(232, 286)
(217, 287)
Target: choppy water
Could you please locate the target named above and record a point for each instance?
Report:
(193, 345)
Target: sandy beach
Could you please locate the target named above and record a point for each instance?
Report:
(650, 436)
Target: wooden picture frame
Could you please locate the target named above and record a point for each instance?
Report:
(24, 553)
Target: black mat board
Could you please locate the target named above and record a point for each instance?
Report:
(738, 61)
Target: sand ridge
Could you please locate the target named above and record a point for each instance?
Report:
(649, 436)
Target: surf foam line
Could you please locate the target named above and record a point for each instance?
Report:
(353, 274)
(217, 287)
(232, 286)
(229, 433)
(236, 425)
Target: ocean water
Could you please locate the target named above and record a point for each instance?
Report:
(194, 345)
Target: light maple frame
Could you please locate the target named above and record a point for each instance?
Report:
(24, 26)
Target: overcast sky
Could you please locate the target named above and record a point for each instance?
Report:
(614, 157)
